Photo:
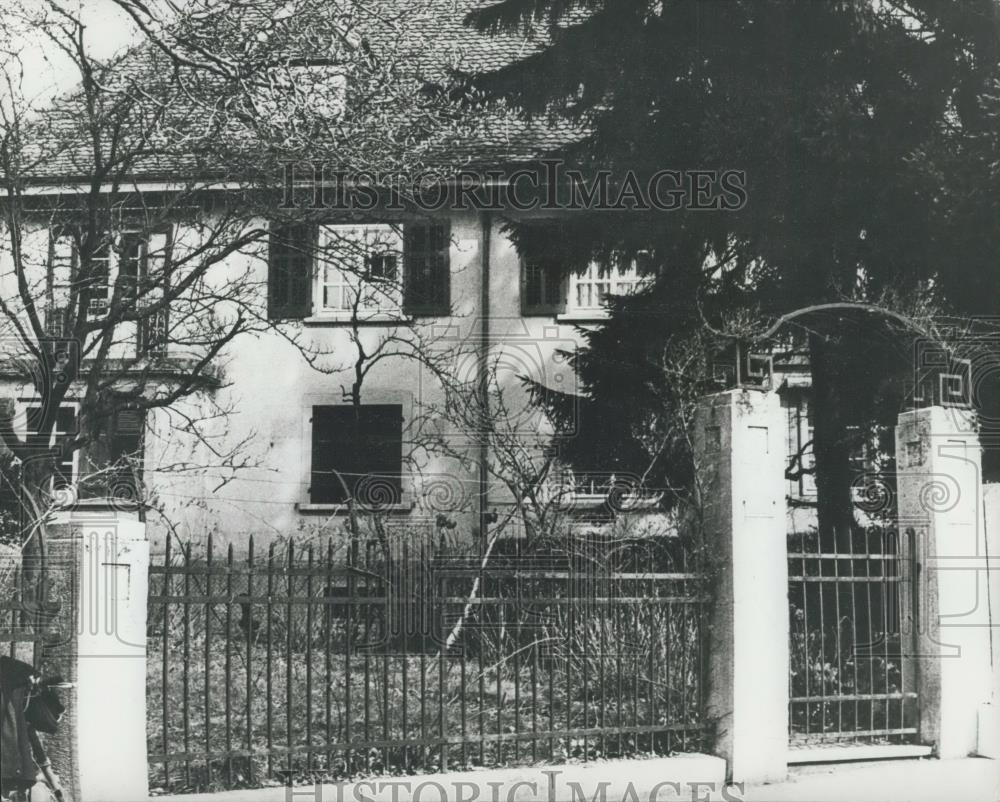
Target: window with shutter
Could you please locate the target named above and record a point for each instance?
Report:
(290, 271)
(427, 268)
(114, 461)
(62, 269)
(543, 289)
(153, 329)
(98, 286)
(359, 272)
(131, 258)
(63, 432)
(357, 451)
(582, 295)
(134, 264)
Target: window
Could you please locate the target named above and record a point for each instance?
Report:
(381, 270)
(589, 291)
(128, 263)
(359, 270)
(113, 464)
(543, 289)
(802, 465)
(546, 292)
(98, 286)
(109, 466)
(152, 334)
(357, 451)
(62, 434)
(62, 269)
(131, 261)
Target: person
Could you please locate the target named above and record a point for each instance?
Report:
(27, 704)
(47, 784)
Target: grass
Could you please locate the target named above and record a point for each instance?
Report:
(511, 678)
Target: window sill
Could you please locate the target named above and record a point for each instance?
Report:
(372, 319)
(341, 509)
(593, 501)
(589, 316)
(97, 503)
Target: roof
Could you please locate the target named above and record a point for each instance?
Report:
(410, 45)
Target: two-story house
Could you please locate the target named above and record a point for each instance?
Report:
(378, 334)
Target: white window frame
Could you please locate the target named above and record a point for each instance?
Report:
(61, 277)
(62, 265)
(586, 293)
(100, 295)
(340, 275)
(30, 403)
(99, 305)
(575, 495)
(800, 434)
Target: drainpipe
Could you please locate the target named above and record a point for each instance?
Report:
(484, 356)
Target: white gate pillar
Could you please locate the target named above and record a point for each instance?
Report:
(100, 557)
(740, 443)
(944, 537)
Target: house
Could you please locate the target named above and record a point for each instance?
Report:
(280, 429)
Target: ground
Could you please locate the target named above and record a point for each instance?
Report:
(928, 780)
(967, 780)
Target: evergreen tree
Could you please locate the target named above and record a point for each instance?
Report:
(868, 133)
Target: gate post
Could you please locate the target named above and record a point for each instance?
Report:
(946, 607)
(739, 446)
(99, 751)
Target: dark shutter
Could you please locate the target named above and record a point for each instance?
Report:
(113, 462)
(427, 268)
(63, 432)
(543, 289)
(363, 447)
(130, 266)
(126, 453)
(289, 271)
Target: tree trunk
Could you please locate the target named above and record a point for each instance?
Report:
(37, 474)
(831, 448)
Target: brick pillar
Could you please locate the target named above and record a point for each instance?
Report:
(740, 458)
(98, 561)
(946, 600)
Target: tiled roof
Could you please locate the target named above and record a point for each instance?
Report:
(427, 36)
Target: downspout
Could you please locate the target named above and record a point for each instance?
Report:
(484, 356)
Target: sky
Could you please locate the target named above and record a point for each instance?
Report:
(109, 30)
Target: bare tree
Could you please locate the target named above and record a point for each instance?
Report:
(135, 206)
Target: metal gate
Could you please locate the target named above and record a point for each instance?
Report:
(851, 672)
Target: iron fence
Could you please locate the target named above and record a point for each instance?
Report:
(26, 615)
(361, 657)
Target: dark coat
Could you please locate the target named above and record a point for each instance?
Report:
(17, 768)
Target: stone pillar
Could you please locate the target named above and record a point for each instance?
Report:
(99, 560)
(946, 602)
(989, 714)
(740, 443)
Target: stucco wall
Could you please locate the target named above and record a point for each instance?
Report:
(269, 389)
